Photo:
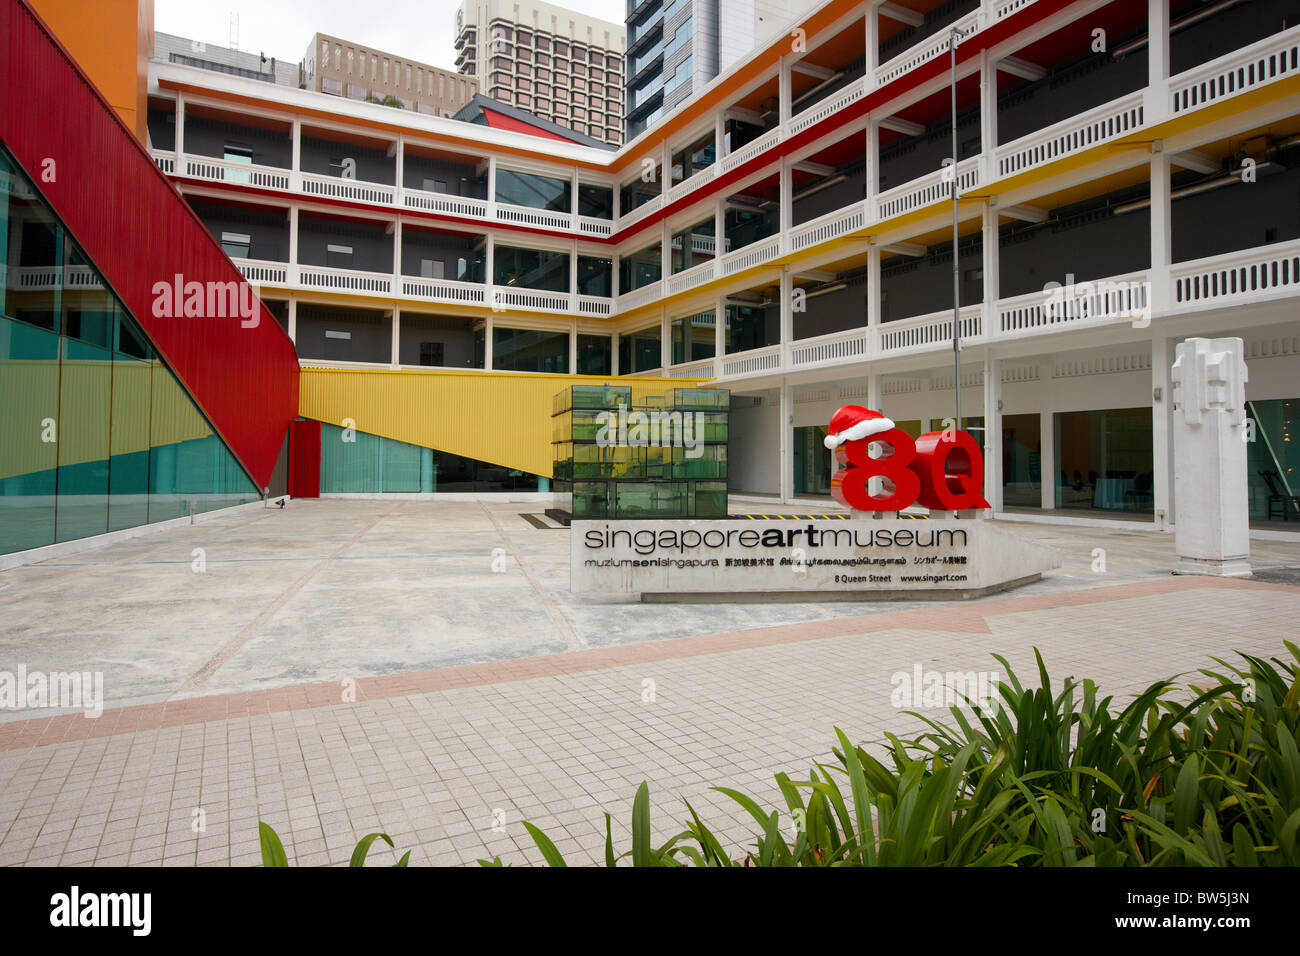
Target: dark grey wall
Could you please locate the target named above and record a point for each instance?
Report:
(455, 334)
(268, 229)
(1090, 249)
(853, 189)
(461, 180)
(372, 249)
(833, 312)
(1095, 79)
(905, 159)
(371, 334)
(206, 137)
(936, 20)
(919, 286)
(1238, 216)
(373, 165)
(1226, 31)
(162, 129)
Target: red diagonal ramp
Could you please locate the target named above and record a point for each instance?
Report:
(138, 231)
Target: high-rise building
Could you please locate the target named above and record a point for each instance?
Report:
(556, 63)
(675, 47)
(349, 69)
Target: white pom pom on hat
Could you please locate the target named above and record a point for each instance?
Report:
(863, 429)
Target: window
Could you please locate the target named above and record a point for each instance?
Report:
(640, 268)
(237, 153)
(693, 337)
(596, 202)
(594, 355)
(432, 269)
(236, 245)
(530, 350)
(538, 192)
(594, 275)
(531, 269)
(639, 351)
(431, 353)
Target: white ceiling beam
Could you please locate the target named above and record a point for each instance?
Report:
(753, 117)
(817, 275)
(817, 169)
(901, 14)
(1196, 161)
(1022, 68)
(906, 127)
(1023, 213)
(811, 69)
(912, 249)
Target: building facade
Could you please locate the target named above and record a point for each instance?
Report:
(560, 65)
(1128, 176)
(343, 68)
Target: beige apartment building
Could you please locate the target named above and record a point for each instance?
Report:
(552, 62)
(344, 68)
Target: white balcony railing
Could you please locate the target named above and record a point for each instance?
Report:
(927, 49)
(443, 290)
(753, 362)
(828, 106)
(539, 218)
(847, 346)
(754, 254)
(930, 188)
(532, 300)
(1250, 275)
(260, 272)
(1125, 298)
(51, 278)
(352, 190)
(1004, 8)
(692, 278)
(1097, 125)
(462, 206)
(833, 225)
(692, 183)
(750, 150)
(1264, 62)
(699, 369)
(628, 301)
(242, 174)
(345, 280)
(925, 332)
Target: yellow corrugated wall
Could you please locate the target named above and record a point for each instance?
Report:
(503, 418)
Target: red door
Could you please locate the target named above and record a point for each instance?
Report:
(304, 459)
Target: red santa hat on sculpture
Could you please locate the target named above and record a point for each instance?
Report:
(853, 422)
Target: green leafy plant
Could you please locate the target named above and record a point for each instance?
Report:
(1046, 778)
(273, 850)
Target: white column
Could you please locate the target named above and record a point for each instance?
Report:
(665, 341)
(787, 315)
(785, 181)
(613, 354)
(399, 167)
(487, 342)
(492, 188)
(872, 152)
(873, 299)
(1155, 106)
(1161, 230)
(873, 43)
(988, 117)
(573, 348)
(293, 245)
(719, 334)
(1047, 438)
(990, 267)
(397, 335)
(489, 273)
(180, 134)
(573, 278)
(719, 234)
(992, 431)
(293, 319)
(785, 92)
(786, 488)
(1162, 483)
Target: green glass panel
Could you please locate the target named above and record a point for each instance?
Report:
(128, 472)
(29, 395)
(85, 383)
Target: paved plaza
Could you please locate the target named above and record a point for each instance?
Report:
(421, 668)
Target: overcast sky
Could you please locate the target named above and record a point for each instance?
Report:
(416, 29)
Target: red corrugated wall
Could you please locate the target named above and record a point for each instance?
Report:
(138, 231)
(304, 459)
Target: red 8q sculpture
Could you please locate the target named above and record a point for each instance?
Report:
(944, 471)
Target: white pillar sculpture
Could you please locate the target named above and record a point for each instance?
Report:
(1212, 531)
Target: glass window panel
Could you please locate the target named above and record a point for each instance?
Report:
(1104, 460)
(29, 394)
(531, 269)
(530, 350)
(537, 192)
(594, 355)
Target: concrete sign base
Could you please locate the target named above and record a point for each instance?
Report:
(802, 560)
